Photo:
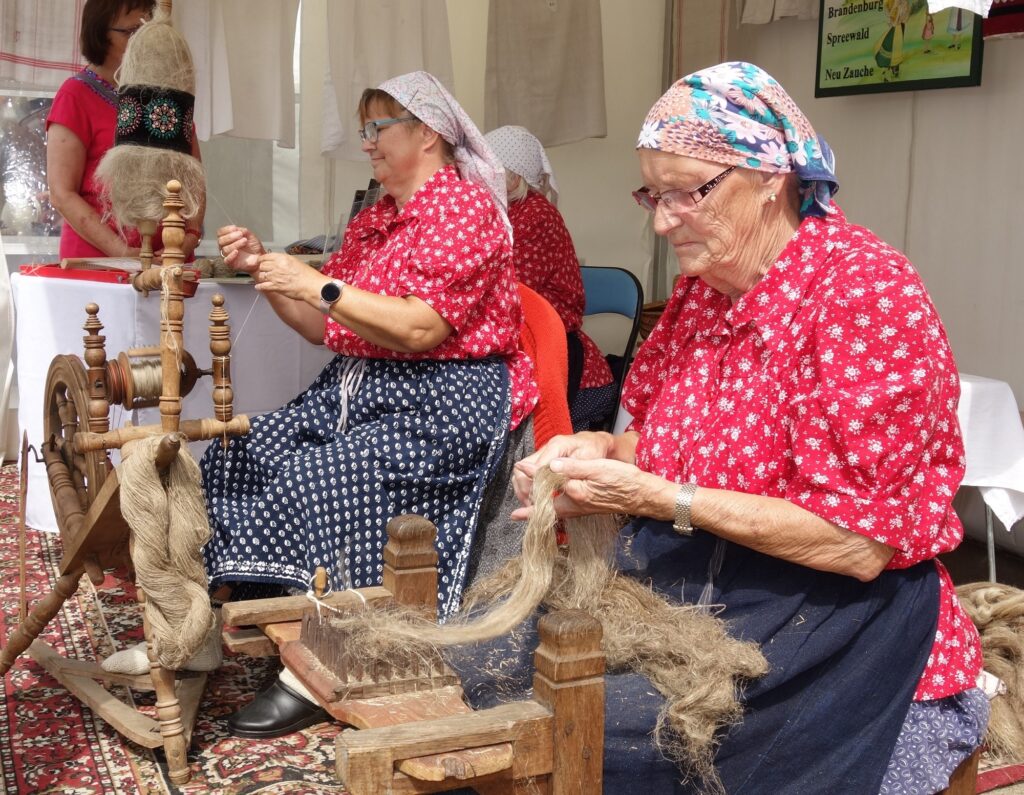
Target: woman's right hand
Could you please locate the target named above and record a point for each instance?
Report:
(240, 248)
(585, 445)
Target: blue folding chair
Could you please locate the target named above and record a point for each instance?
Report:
(615, 291)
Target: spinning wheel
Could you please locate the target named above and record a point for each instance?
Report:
(85, 487)
(65, 412)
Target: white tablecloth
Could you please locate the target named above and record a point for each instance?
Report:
(993, 439)
(270, 363)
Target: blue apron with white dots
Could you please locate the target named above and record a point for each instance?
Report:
(316, 482)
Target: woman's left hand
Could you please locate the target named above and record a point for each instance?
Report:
(282, 273)
(602, 485)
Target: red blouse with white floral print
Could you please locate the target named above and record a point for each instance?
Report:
(546, 262)
(830, 384)
(448, 247)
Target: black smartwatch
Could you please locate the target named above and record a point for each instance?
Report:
(329, 295)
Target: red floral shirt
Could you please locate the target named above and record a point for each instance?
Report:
(546, 262)
(448, 247)
(830, 384)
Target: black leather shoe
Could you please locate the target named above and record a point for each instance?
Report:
(275, 712)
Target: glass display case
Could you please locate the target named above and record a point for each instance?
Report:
(25, 209)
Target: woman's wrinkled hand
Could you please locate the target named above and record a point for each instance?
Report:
(240, 248)
(593, 486)
(586, 445)
(284, 274)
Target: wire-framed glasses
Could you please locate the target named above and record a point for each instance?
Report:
(681, 200)
(371, 130)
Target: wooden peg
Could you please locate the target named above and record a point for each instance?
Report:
(220, 348)
(319, 581)
(96, 361)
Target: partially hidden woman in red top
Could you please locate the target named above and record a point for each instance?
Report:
(80, 129)
(546, 262)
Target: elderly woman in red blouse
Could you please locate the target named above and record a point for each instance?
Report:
(792, 460)
(413, 414)
(546, 262)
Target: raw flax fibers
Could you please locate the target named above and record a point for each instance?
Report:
(684, 650)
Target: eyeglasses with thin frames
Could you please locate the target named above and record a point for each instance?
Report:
(681, 200)
(129, 32)
(371, 130)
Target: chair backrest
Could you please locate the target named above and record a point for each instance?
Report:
(615, 291)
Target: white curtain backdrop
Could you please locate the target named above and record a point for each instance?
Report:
(370, 41)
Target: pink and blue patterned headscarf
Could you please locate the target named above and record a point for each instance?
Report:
(738, 115)
(423, 96)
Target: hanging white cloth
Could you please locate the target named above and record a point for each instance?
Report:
(243, 52)
(545, 69)
(760, 12)
(371, 41)
(980, 7)
(39, 42)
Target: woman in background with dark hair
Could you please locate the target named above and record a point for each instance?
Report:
(81, 128)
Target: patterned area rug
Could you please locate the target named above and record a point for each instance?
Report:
(51, 743)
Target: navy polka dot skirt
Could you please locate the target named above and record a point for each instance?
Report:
(296, 492)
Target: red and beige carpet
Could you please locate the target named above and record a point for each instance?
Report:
(51, 743)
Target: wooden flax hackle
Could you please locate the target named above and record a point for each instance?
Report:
(169, 528)
(998, 612)
(685, 651)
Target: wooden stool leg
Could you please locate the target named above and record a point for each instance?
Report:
(168, 712)
(569, 680)
(36, 621)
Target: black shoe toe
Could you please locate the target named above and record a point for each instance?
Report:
(275, 712)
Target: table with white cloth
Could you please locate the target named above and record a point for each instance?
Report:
(994, 442)
(994, 446)
(270, 363)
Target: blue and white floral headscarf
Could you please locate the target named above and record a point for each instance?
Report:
(738, 115)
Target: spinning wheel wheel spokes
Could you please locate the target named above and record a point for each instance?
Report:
(65, 412)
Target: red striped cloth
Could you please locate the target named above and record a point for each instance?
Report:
(39, 42)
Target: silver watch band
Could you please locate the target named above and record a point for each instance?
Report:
(684, 500)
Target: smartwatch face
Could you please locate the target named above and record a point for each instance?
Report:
(330, 292)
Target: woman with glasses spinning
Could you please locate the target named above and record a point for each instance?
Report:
(791, 462)
(414, 412)
(81, 127)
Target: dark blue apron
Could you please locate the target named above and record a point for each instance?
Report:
(845, 659)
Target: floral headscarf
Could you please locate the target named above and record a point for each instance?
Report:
(521, 152)
(423, 96)
(738, 115)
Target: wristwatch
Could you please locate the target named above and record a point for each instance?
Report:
(684, 499)
(329, 295)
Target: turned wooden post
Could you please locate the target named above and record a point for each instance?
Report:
(147, 228)
(172, 316)
(96, 361)
(168, 709)
(220, 348)
(569, 680)
(410, 562)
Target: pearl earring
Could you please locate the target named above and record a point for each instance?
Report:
(771, 198)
